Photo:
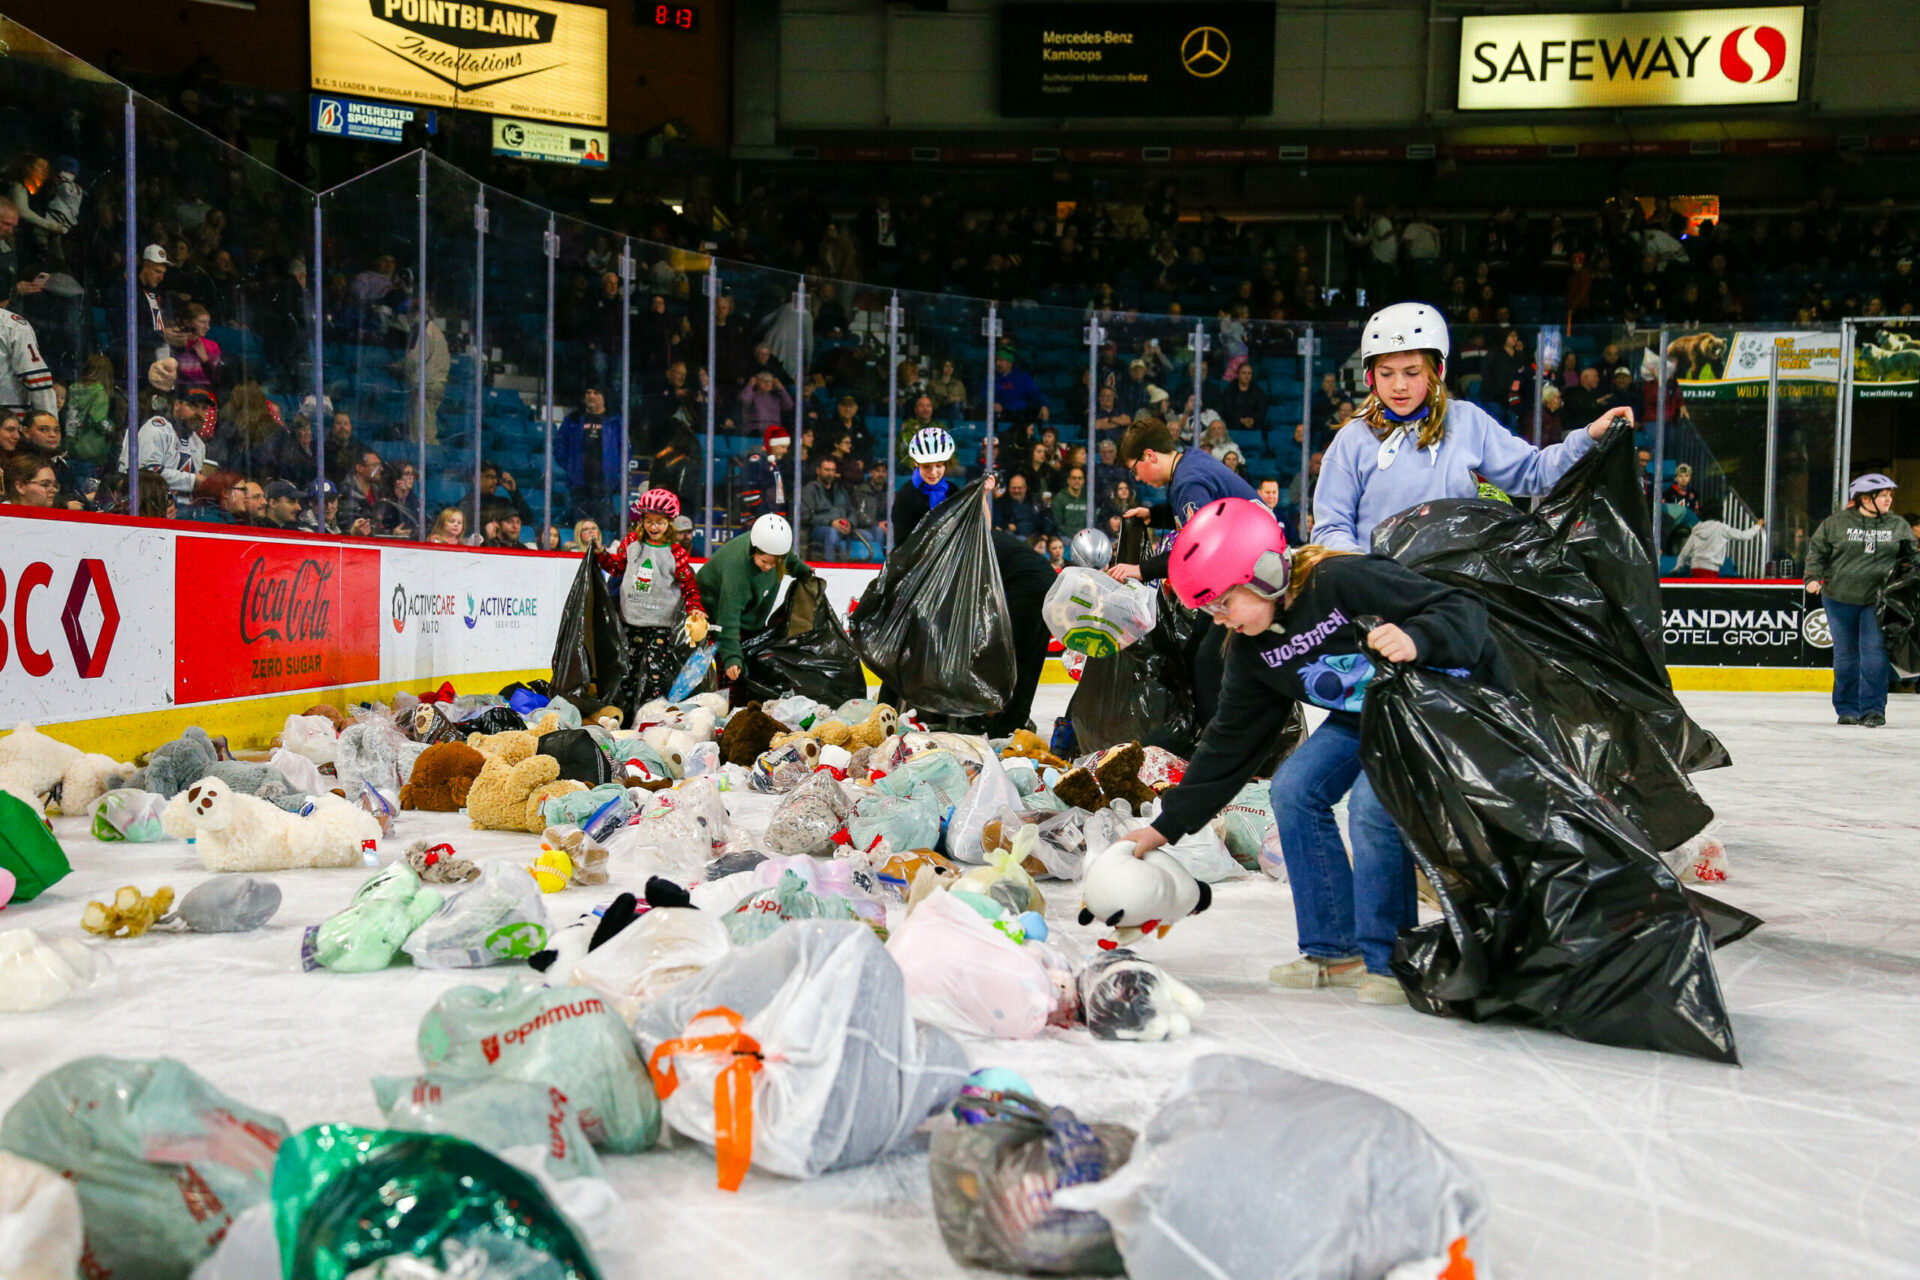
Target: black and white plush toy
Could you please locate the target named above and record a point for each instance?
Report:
(1136, 897)
(1126, 998)
(572, 944)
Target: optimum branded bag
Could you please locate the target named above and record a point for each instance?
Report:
(934, 623)
(803, 650)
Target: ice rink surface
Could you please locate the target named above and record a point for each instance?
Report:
(1599, 1162)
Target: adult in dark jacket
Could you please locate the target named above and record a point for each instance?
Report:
(586, 449)
(1241, 404)
(1850, 557)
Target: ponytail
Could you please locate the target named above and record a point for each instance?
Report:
(1304, 560)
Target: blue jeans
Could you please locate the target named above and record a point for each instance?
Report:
(1860, 667)
(1339, 907)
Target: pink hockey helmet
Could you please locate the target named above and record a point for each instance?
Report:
(1230, 542)
(659, 501)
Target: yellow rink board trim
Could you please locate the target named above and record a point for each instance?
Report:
(249, 723)
(1754, 679)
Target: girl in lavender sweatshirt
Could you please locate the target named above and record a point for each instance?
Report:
(1410, 444)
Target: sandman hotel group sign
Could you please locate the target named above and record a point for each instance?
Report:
(537, 59)
(1672, 58)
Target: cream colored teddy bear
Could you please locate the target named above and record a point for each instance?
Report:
(235, 832)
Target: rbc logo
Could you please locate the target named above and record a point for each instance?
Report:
(332, 114)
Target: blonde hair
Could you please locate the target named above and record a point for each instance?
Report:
(1304, 560)
(1432, 427)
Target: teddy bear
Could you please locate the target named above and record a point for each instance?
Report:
(533, 815)
(330, 712)
(235, 832)
(749, 735)
(517, 744)
(1115, 776)
(441, 778)
(89, 778)
(1027, 745)
(673, 745)
(500, 796)
(32, 764)
(1136, 896)
(131, 914)
(874, 730)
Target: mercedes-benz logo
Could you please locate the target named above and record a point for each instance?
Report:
(1205, 51)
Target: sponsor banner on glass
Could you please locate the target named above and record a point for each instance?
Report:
(1709, 366)
(1743, 624)
(85, 621)
(536, 58)
(342, 117)
(272, 617)
(1669, 58)
(446, 614)
(1886, 361)
(1136, 60)
(556, 143)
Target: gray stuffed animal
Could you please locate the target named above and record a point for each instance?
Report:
(177, 765)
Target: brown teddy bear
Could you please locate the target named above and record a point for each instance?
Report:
(1027, 745)
(510, 788)
(748, 735)
(441, 777)
(331, 712)
(1115, 776)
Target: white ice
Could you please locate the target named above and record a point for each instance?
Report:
(1600, 1162)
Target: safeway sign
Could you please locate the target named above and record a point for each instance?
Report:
(1679, 58)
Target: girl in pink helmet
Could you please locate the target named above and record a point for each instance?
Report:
(1296, 636)
(655, 582)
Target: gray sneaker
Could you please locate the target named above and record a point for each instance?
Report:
(1311, 972)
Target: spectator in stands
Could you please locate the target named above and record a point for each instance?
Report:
(587, 451)
(323, 509)
(283, 505)
(1681, 492)
(1704, 552)
(29, 479)
(658, 336)
(868, 496)
(41, 433)
(232, 493)
(763, 404)
(549, 539)
(344, 447)
(1214, 438)
(763, 474)
(731, 344)
(1131, 395)
(500, 523)
(1583, 398)
(948, 389)
(765, 361)
(1070, 504)
(920, 416)
(371, 286)
(199, 355)
(1107, 473)
(449, 527)
(1016, 396)
(1042, 471)
(679, 467)
(172, 446)
(1232, 462)
(247, 438)
(678, 402)
(395, 515)
(362, 489)
(1015, 512)
(1242, 404)
(826, 511)
(586, 536)
(292, 452)
(1506, 387)
(1109, 416)
(1114, 507)
(434, 370)
(94, 410)
(850, 429)
(498, 484)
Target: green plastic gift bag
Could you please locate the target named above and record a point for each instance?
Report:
(28, 849)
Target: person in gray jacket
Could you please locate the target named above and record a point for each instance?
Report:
(1851, 556)
(826, 510)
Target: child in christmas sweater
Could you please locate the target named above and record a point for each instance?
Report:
(655, 579)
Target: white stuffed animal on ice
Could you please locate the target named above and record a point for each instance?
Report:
(32, 764)
(1126, 998)
(235, 832)
(1138, 896)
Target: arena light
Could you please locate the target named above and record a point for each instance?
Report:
(1678, 58)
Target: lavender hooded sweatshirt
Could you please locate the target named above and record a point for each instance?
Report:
(1354, 494)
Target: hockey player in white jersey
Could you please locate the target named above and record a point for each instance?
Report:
(25, 380)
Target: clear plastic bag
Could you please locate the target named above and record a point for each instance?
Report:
(497, 1112)
(500, 917)
(129, 814)
(40, 1235)
(807, 820)
(371, 930)
(760, 914)
(1124, 997)
(38, 973)
(780, 770)
(932, 775)
(1091, 613)
(311, 736)
(1320, 1159)
(991, 794)
(693, 672)
(1202, 852)
(161, 1159)
(965, 976)
(898, 823)
(301, 773)
(796, 711)
(662, 840)
(563, 1035)
(665, 946)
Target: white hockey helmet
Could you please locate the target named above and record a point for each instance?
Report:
(1405, 326)
(772, 534)
(930, 444)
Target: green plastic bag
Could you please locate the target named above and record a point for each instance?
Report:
(760, 914)
(163, 1161)
(498, 1112)
(564, 1036)
(369, 933)
(932, 775)
(1244, 823)
(905, 822)
(28, 849)
(345, 1198)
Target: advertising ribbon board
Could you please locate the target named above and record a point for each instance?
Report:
(1710, 367)
(1136, 59)
(1886, 361)
(338, 116)
(1743, 624)
(555, 143)
(272, 617)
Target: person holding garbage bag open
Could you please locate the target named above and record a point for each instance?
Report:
(1410, 443)
(1296, 637)
(1850, 558)
(1025, 575)
(742, 583)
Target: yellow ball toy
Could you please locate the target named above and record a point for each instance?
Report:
(552, 870)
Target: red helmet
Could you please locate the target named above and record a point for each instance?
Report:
(659, 501)
(1230, 542)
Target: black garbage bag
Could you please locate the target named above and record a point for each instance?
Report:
(590, 656)
(1899, 613)
(1556, 910)
(1574, 600)
(1143, 693)
(803, 650)
(494, 720)
(934, 623)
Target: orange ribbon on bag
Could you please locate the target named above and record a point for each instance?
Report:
(732, 1090)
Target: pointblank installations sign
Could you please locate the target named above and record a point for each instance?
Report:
(538, 58)
(1136, 59)
(1677, 58)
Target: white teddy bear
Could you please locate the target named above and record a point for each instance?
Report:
(674, 745)
(32, 765)
(234, 832)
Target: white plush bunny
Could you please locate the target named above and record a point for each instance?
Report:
(1138, 896)
(234, 832)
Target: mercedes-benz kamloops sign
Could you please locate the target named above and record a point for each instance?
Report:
(1678, 58)
(538, 59)
(1116, 60)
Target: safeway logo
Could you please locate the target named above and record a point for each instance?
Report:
(1770, 41)
(89, 657)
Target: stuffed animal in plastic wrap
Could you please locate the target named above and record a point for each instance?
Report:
(1124, 997)
(1026, 745)
(809, 818)
(700, 800)
(317, 737)
(568, 856)
(441, 778)
(1114, 776)
(369, 933)
(233, 832)
(784, 768)
(375, 752)
(1138, 896)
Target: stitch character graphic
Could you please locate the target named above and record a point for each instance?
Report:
(1338, 682)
